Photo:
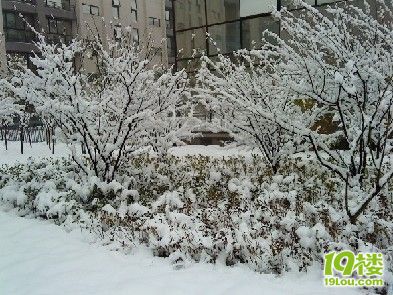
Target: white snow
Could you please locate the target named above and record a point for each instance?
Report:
(211, 151)
(39, 258)
(41, 150)
(36, 151)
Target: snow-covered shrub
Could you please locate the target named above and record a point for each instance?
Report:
(9, 110)
(128, 105)
(234, 211)
(225, 210)
(335, 63)
(339, 62)
(242, 93)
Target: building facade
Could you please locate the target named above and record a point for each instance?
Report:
(62, 20)
(229, 24)
(56, 17)
(107, 18)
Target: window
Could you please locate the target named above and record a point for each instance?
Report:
(252, 7)
(16, 29)
(134, 11)
(90, 9)
(116, 9)
(85, 8)
(117, 33)
(226, 37)
(155, 22)
(59, 30)
(254, 28)
(61, 4)
(168, 19)
(190, 40)
(94, 10)
(135, 36)
(219, 11)
(52, 26)
(134, 15)
(171, 47)
(189, 14)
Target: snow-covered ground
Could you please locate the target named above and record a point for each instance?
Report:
(39, 258)
(41, 150)
(37, 150)
(211, 151)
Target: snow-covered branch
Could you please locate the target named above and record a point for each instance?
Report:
(342, 61)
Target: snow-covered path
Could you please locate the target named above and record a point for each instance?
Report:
(39, 258)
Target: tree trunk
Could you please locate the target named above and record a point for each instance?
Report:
(21, 140)
(5, 137)
(29, 136)
(53, 142)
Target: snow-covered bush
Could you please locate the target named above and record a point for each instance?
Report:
(128, 105)
(336, 64)
(9, 110)
(340, 61)
(247, 102)
(230, 210)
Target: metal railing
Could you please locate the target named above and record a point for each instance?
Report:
(33, 2)
(18, 35)
(29, 134)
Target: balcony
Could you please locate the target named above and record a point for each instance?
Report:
(32, 2)
(16, 29)
(22, 6)
(59, 9)
(19, 35)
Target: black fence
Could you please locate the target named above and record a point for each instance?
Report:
(30, 134)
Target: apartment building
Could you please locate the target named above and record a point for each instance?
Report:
(62, 20)
(145, 18)
(56, 17)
